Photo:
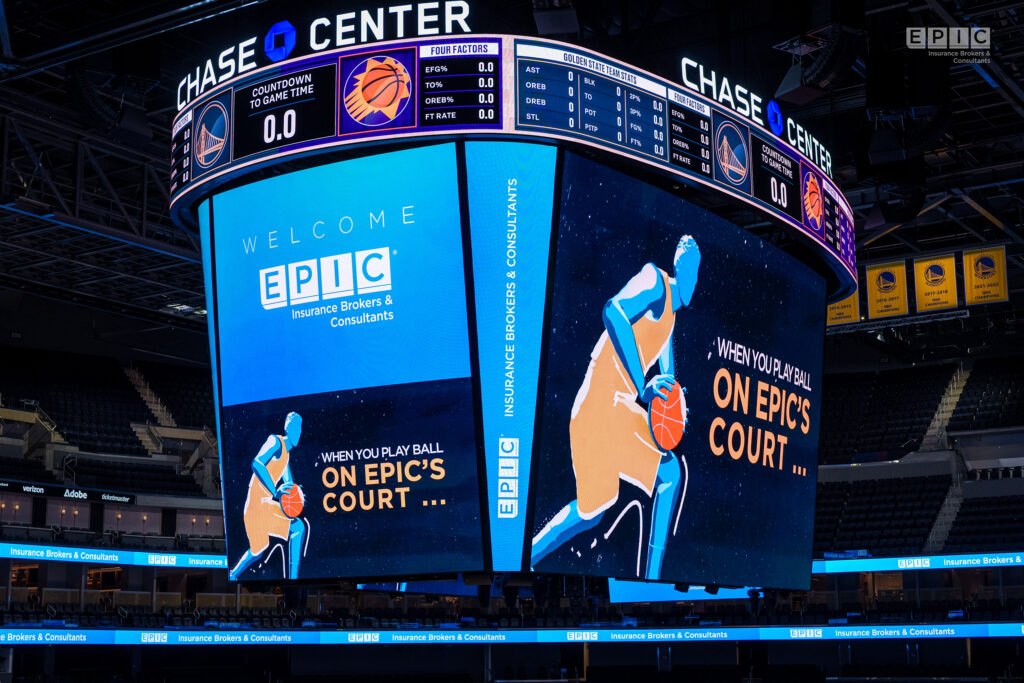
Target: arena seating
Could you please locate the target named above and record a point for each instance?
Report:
(89, 397)
(185, 391)
(885, 412)
(993, 396)
(986, 524)
(22, 469)
(884, 516)
(25, 533)
(188, 615)
(137, 477)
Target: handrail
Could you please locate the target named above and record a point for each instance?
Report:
(949, 404)
(155, 435)
(45, 419)
(68, 467)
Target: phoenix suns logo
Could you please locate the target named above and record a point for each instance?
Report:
(812, 200)
(377, 91)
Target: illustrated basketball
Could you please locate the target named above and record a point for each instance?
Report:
(382, 83)
(292, 503)
(668, 418)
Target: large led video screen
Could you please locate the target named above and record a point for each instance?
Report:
(554, 366)
(343, 355)
(680, 394)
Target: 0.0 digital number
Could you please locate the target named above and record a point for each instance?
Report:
(270, 133)
(780, 195)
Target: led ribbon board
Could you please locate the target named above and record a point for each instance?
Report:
(504, 85)
(110, 556)
(75, 636)
(628, 591)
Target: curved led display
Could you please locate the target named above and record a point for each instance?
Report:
(511, 86)
(479, 354)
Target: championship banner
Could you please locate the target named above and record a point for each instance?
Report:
(935, 283)
(844, 311)
(887, 289)
(985, 276)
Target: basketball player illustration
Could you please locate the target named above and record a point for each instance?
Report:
(274, 502)
(609, 434)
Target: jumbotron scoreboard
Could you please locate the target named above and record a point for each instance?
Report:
(410, 329)
(497, 86)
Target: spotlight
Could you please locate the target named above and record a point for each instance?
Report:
(555, 17)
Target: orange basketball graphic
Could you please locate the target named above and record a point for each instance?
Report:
(380, 90)
(812, 199)
(292, 503)
(668, 418)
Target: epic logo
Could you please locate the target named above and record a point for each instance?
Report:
(364, 637)
(508, 478)
(805, 633)
(581, 635)
(914, 563)
(153, 637)
(330, 277)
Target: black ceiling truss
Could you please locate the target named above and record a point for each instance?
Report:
(84, 213)
(80, 215)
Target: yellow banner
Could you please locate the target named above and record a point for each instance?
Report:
(985, 276)
(844, 311)
(935, 283)
(886, 285)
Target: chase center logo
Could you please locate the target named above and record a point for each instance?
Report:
(279, 41)
(775, 120)
(283, 40)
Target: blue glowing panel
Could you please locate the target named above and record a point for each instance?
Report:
(347, 422)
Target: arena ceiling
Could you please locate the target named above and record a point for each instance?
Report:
(929, 161)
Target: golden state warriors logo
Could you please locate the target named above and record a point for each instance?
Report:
(934, 275)
(211, 134)
(886, 281)
(731, 148)
(377, 91)
(812, 200)
(984, 267)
